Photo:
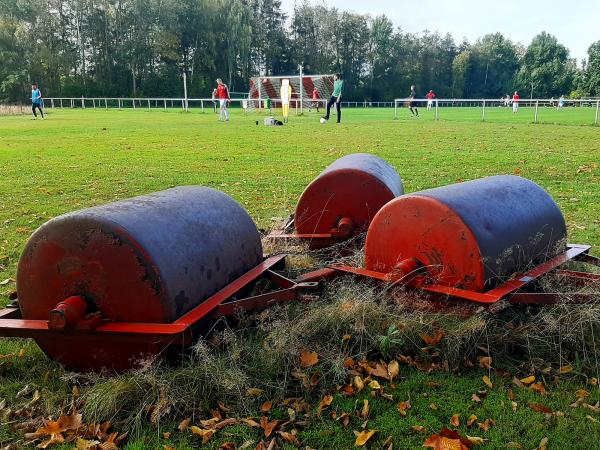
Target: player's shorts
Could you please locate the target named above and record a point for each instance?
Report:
(223, 102)
(412, 104)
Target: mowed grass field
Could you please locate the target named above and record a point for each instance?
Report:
(81, 158)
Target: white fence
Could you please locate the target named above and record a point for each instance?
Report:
(485, 104)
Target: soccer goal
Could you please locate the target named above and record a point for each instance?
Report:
(265, 91)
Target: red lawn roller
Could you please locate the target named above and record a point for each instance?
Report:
(341, 202)
(106, 286)
(482, 241)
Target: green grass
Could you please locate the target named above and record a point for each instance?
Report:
(82, 158)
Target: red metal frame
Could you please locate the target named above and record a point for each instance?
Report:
(219, 304)
(507, 290)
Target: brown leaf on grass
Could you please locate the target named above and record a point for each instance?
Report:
(254, 392)
(83, 444)
(393, 369)
(64, 423)
(485, 362)
(582, 393)
(225, 423)
(455, 420)
(226, 446)
(266, 406)
(349, 363)
(347, 389)
(267, 426)
(374, 384)
(433, 406)
(314, 378)
(592, 419)
(471, 420)
(364, 413)
(324, 403)
(308, 359)
(184, 424)
(539, 388)
(565, 369)
(511, 394)
(486, 424)
(206, 435)
(363, 437)
(433, 340)
(55, 438)
(475, 398)
(358, 383)
(418, 428)
(250, 423)
(288, 437)
(167, 435)
(403, 407)
(209, 423)
(447, 440)
(517, 382)
(487, 381)
(540, 408)
(514, 406)
(543, 444)
(475, 440)
(223, 407)
(593, 381)
(380, 371)
(528, 380)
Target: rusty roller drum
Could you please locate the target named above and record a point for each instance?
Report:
(469, 235)
(149, 259)
(345, 197)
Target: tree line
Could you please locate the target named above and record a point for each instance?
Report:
(142, 48)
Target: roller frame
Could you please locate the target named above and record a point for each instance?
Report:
(316, 240)
(221, 304)
(506, 291)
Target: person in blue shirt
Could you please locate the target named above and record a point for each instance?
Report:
(36, 101)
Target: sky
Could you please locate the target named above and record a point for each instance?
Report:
(575, 23)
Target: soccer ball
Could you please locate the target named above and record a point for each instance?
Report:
(323, 120)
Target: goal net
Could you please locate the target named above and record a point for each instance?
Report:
(268, 88)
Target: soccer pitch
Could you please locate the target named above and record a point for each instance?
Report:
(79, 158)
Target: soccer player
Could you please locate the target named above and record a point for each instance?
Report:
(336, 97)
(561, 102)
(36, 101)
(315, 99)
(515, 101)
(412, 104)
(430, 96)
(286, 94)
(223, 96)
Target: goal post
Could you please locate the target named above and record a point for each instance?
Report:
(263, 88)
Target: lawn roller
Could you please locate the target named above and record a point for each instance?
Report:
(341, 202)
(107, 286)
(483, 241)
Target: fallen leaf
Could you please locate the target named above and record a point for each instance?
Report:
(486, 424)
(511, 394)
(346, 337)
(543, 444)
(358, 382)
(475, 398)
(476, 440)
(251, 423)
(324, 403)
(565, 369)
(83, 444)
(582, 393)
(485, 362)
(454, 420)
(539, 388)
(487, 381)
(308, 359)
(433, 406)
(226, 446)
(206, 435)
(254, 392)
(433, 340)
(266, 406)
(167, 435)
(393, 369)
(540, 408)
(363, 437)
(288, 437)
(365, 409)
(447, 440)
(374, 385)
(344, 419)
(402, 407)
(514, 406)
(418, 428)
(184, 424)
(55, 438)
(591, 419)
(225, 423)
(527, 380)
(267, 426)
(380, 371)
(471, 420)
(593, 381)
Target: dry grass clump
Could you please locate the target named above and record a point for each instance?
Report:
(258, 356)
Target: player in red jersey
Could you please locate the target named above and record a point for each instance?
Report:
(515, 101)
(430, 96)
(223, 95)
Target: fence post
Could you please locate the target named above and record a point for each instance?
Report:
(148, 103)
(94, 102)
(395, 109)
(165, 102)
(537, 104)
(105, 103)
(436, 110)
(483, 112)
(202, 105)
(596, 118)
(82, 102)
(134, 103)
(61, 103)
